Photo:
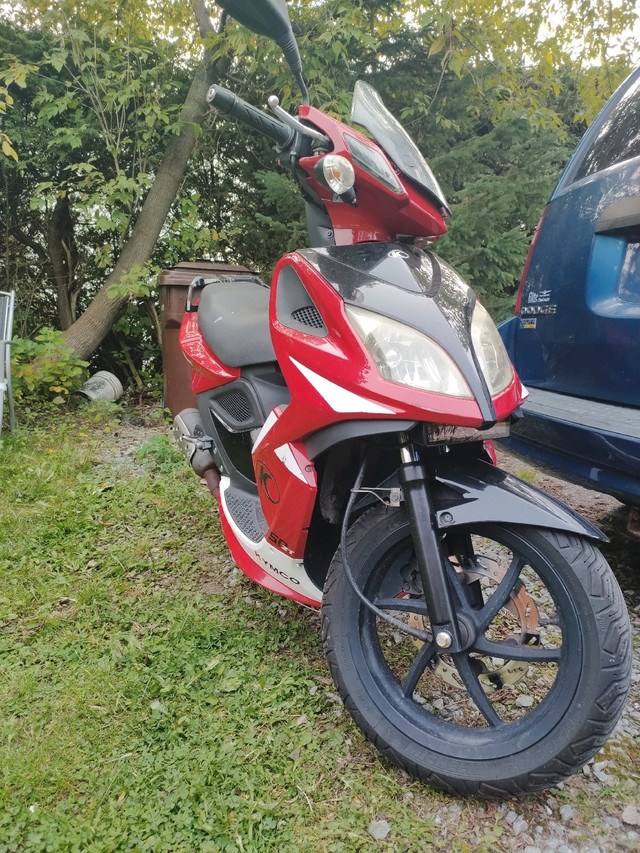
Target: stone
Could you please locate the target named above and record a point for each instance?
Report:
(379, 829)
(567, 812)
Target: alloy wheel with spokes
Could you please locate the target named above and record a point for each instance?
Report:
(521, 705)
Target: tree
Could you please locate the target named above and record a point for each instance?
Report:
(109, 303)
(481, 85)
(104, 124)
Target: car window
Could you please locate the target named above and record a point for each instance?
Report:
(618, 138)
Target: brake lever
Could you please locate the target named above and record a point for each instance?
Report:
(285, 118)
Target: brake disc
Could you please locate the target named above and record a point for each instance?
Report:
(519, 604)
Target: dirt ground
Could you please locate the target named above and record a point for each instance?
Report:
(608, 514)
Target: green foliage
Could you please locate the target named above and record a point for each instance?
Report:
(15, 73)
(137, 282)
(495, 94)
(527, 474)
(497, 184)
(89, 129)
(44, 368)
(160, 454)
(526, 44)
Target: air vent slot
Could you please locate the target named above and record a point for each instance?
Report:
(308, 316)
(243, 405)
(294, 306)
(237, 406)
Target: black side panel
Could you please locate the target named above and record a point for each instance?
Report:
(232, 412)
(295, 308)
(231, 450)
(346, 430)
(245, 403)
(319, 226)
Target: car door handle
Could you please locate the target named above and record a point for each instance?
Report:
(623, 216)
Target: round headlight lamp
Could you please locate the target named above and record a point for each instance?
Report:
(336, 173)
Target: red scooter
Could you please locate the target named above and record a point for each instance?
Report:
(344, 421)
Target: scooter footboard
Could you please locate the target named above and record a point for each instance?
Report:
(473, 492)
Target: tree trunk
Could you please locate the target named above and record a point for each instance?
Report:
(58, 257)
(62, 254)
(88, 331)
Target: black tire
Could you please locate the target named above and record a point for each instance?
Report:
(480, 722)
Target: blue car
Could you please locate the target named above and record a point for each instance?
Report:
(575, 339)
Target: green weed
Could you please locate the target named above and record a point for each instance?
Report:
(155, 700)
(44, 368)
(160, 453)
(527, 474)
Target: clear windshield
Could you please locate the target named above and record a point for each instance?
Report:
(369, 111)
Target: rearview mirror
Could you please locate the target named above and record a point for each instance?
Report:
(265, 17)
(269, 18)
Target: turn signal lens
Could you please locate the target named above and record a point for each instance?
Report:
(336, 173)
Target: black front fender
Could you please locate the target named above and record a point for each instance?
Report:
(472, 492)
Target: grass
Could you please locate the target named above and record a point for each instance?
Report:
(155, 700)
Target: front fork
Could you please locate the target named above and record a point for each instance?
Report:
(431, 560)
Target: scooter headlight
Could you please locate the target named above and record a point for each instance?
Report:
(490, 351)
(403, 355)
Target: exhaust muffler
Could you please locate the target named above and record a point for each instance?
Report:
(195, 446)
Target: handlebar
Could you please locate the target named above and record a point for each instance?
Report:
(230, 104)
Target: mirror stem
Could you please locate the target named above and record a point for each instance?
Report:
(303, 88)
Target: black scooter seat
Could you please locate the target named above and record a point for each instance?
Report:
(234, 320)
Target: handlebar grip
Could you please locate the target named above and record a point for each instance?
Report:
(230, 104)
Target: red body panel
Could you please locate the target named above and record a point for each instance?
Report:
(330, 379)
(208, 371)
(341, 358)
(252, 570)
(380, 213)
(287, 485)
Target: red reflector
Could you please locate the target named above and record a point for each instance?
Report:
(528, 261)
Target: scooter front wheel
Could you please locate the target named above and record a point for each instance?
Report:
(540, 685)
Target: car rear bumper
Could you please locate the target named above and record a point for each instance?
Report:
(594, 444)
